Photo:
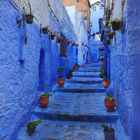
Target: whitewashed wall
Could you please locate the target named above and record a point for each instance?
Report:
(81, 31)
(43, 15)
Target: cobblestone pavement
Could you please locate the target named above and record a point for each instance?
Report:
(71, 115)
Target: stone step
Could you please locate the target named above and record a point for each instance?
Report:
(86, 74)
(65, 130)
(77, 107)
(85, 80)
(80, 88)
(98, 64)
(89, 69)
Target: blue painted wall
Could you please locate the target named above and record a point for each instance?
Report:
(22, 83)
(121, 69)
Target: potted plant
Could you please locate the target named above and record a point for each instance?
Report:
(31, 127)
(76, 67)
(110, 35)
(106, 83)
(44, 100)
(109, 132)
(102, 74)
(60, 78)
(84, 65)
(116, 24)
(106, 42)
(109, 103)
(69, 76)
(52, 36)
(45, 30)
(29, 17)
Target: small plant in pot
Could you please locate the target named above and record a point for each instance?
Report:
(69, 76)
(116, 24)
(29, 17)
(61, 80)
(84, 65)
(109, 132)
(45, 30)
(110, 35)
(76, 67)
(31, 127)
(44, 100)
(106, 83)
(109, 103)
(102, 74)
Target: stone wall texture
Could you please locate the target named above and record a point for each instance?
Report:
(125, 56)
(23, 81)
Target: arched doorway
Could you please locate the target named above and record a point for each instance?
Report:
(42, 70)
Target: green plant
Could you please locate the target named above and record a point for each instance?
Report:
(108, 129)
(46, 94)
(31, 126)
(117, 24)
(115, 20)
(110, 98)
(102, 74)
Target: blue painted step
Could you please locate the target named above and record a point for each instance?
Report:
(85, 80)
(80, 88)
(86, 74)
(89, 69)
(65, 130)
(77, 107)
(94, 64)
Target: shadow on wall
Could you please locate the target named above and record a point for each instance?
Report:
(42, 70)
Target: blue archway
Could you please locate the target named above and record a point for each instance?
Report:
(42, 70)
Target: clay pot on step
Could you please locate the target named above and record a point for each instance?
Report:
(109, 104)
(84, 65)
(29, 18)
(44, 100)
(106, 83)
(76, 67)
(61, 82)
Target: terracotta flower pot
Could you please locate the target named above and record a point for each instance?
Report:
(61, 82)
(110, 104)
(109, 135)
(29, 18)
(43, 101)
(106, 83)
(76, 67)
(84, 65)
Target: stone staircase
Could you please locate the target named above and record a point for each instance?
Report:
(76, 111)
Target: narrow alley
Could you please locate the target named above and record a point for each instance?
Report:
(69, 70)
(76, 111)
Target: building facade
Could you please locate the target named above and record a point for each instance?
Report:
(79, 14)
